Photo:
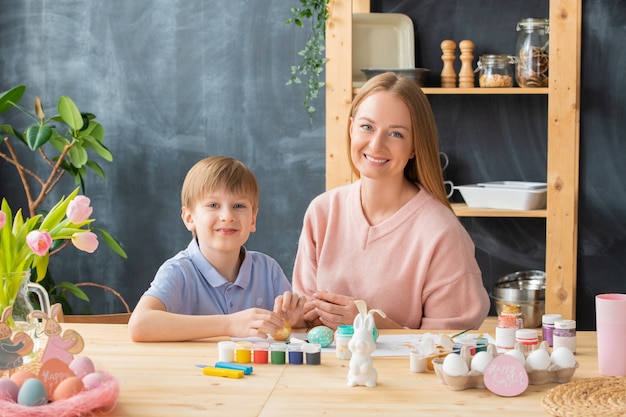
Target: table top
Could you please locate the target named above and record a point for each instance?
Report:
(161, 379)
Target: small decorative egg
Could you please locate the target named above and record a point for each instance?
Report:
(94, 380)
(517, 354)
(322, 335)
(20, 376)
(563, 358)
(538, 360)
(480, 361)
(8, 389)
(32, 393)
(282, 334)
(455, 365)
(68, 388)
(81, 366)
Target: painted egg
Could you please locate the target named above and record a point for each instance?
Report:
(563, 358)
(282, 334)
(68, 388)
(81, 366)
(20, 376)
(322, 335)
(94, 380)
(8, 389)
(32, 393)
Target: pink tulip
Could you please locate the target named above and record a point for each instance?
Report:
(3, 219)
(39, 241)
(79, 210)
(85, 241)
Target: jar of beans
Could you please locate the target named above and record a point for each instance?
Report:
(531, 69)
(495, 71)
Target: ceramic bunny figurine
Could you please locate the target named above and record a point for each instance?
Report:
(60, 347)
(362, 346)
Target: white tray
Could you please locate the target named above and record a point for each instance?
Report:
(381, 40)
(508, 195)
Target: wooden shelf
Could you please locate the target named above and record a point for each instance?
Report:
(473, 91)
(462, 210)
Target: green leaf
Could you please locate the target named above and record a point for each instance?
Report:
(99, 148)
(111, 241)
(74, 290)
(78, 155)
(96, 168)
(11, 96)
(69, 113)
(36, 136)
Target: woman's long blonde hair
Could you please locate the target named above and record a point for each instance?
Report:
(425, 168)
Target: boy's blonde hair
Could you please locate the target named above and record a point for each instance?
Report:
(219, 173)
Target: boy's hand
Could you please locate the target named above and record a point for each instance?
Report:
(254, 322)
(289, 306)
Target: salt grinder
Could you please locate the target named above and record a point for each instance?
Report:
(466, 74)
(448, 75)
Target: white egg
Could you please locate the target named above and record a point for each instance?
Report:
(517, 354)
(563, 358)
(480, 361)
(538, 360)
(455, 365)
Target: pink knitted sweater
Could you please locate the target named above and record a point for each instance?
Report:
(418, 266)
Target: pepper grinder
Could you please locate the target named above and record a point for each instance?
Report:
(448, 75)
(466, 74)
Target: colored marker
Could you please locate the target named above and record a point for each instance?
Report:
(228, 373)
(247, 370)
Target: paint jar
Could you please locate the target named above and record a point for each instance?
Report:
(547, 326)
(417, 361)
(565, 334)
(278, 352)
(527, 339)
(296, 356)
(260, 352)
(511, 316)
(313, 353)
(481, 344)
(226, 351)
(342, 337)
(243, 352)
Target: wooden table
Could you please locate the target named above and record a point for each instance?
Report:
(160, 379)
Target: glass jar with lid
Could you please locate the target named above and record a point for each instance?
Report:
(531, 69)
(495, 70)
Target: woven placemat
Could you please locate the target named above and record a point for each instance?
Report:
(602, 396)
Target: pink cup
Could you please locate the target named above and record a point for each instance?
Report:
(611, 332)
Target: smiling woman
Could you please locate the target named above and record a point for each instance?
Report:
(390, 238)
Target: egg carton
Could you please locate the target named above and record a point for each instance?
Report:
(475, 379)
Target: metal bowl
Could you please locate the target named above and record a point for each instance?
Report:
(417, 74)
(525, 288)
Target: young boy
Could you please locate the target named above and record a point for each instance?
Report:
(216, 287)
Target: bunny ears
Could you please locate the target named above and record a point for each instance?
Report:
(362, 307)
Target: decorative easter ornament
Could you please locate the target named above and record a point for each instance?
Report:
(362, 345)
(62, 347)
(12, 346)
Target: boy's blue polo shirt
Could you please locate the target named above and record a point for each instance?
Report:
(188, 284)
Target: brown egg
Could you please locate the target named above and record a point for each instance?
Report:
(284, 333)
(68, 388)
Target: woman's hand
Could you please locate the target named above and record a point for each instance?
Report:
(334, 309)
(289, 306)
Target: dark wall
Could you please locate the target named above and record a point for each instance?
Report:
(173, 82)
(504, 138)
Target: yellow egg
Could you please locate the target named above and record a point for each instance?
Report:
(68, 388)
(284, 333)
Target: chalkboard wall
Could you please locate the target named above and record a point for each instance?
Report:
(173, 82)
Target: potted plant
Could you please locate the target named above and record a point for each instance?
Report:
(313, 55)
(27, 241)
